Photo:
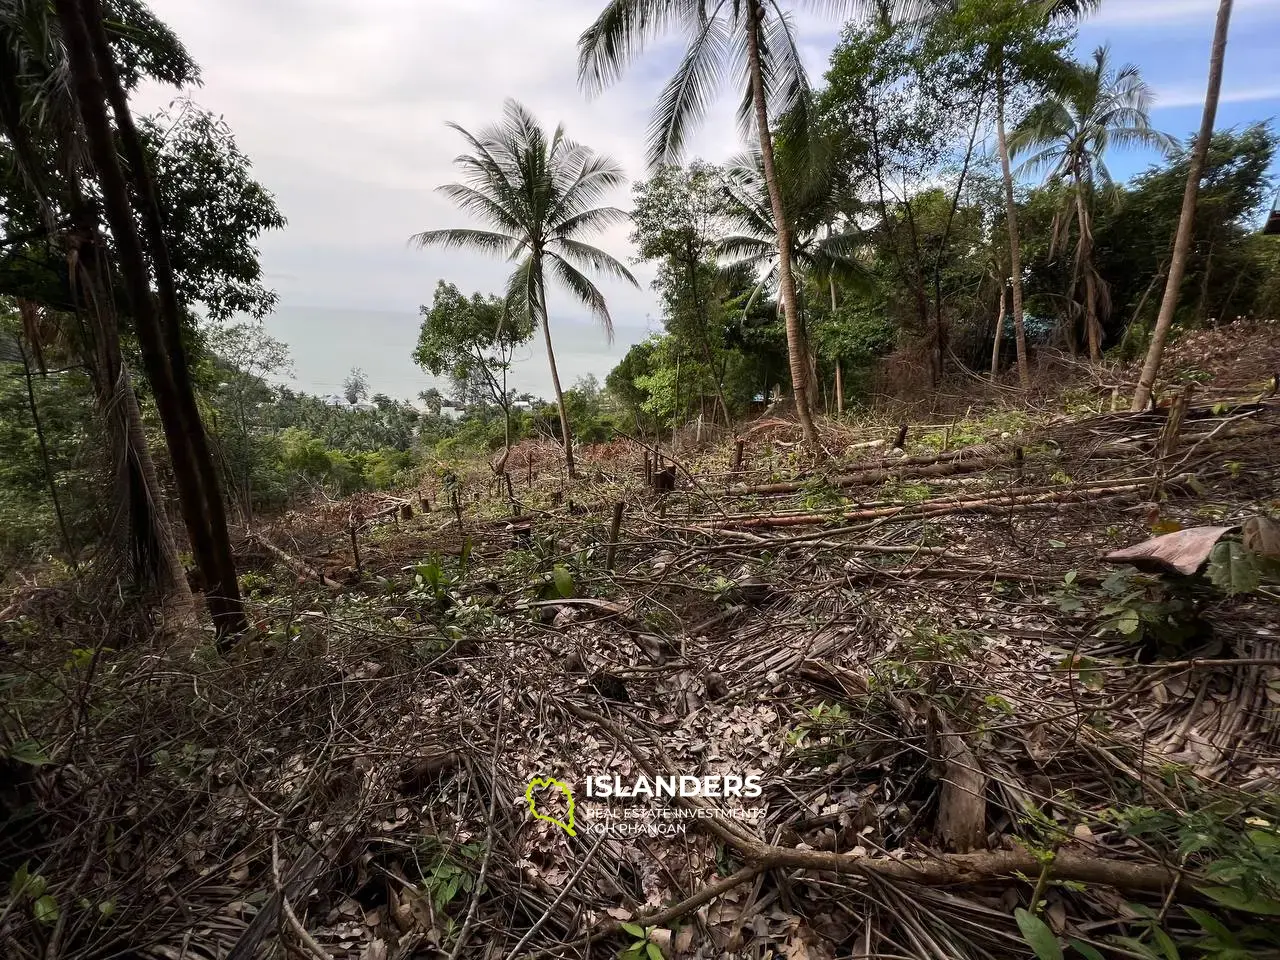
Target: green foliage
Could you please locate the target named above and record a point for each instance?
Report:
(1233, 569)
(473, 341)
(642, 946)
(450, 872)
(1038, 935)
(1147, 610)
(28, 525)
(214, 210)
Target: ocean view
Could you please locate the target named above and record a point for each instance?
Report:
(326, 342)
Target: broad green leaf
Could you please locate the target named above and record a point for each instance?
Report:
(1165, 943)
(563, 580)
(1264, 841)
(1137, 946)
(1239, 900)
(1210, 924)
(654, 951)
(45, 909)
(1232, 568)
(634, 930)
(29, 752)
(18, 884)
(1127, 622)
(1038, 936)
(1085, 950)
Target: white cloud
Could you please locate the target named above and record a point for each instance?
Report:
(342, 106)
(1194, 97)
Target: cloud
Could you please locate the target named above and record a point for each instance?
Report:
(1192, 97)
(342, 106)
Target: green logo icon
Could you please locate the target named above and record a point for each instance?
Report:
(538, 783)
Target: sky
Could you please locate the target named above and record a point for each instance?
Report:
(342, 105)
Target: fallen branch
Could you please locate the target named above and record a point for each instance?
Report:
(293, 563)
(934, 870)
(1011, 503)
(969, 460)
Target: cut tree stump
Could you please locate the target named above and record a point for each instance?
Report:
(962, 800)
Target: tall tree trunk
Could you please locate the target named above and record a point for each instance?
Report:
(1084, 264)
(1011, 215)
(995, 347)
(839, 366)
(180, 621)
(555, 374)
(691, 261)
(184, 438)
(223, 590)
(797, 349)
(1186, 222)
(144, 527)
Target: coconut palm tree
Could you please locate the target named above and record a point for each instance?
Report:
(1067, 137)
(816, 248)
(539, 195)
(754, 42)
(1186, 222)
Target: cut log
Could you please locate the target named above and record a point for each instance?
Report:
(962, 800)
(293, 563)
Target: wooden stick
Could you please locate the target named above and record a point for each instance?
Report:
(293, 563)
(614, 527)
(739, 448)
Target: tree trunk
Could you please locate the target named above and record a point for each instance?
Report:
(1015, 246)
(222, 587)
(44, 448)
(1186, 222)
(995, 347)
(141, 520)
(555, 374)
(797, 349)
(1084, 259)
(839, 366)
(691, 261)
(178, 606)
(185, 439)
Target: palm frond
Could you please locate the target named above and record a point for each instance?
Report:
(592, 258)
(590, 221)
(484, 240)
(583, 290)
(522, 300)
(684, 101)
(620, 34)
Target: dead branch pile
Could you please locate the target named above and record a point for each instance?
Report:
(939, 738)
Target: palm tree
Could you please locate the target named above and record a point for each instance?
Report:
(816, 249)
(1002, 55)
(539, 195)
(755, 42)
(1068, 135)
(1186, 222)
